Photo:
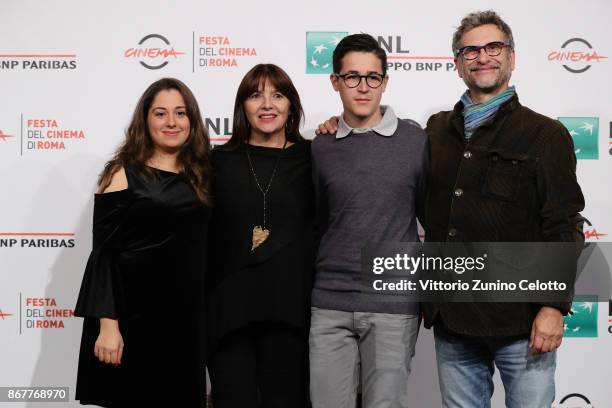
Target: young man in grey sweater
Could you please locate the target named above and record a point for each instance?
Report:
(370, 180)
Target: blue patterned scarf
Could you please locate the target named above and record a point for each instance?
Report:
(477, 114)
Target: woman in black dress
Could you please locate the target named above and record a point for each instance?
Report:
(142, 291)
(262, 255)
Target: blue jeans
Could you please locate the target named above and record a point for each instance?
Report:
(349, 348)
(466, 366)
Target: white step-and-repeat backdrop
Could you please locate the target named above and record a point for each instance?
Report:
(72, 71)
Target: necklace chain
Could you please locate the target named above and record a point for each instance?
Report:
(264, 192)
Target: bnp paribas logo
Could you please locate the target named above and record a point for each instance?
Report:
(585, 132)
(582, 322)
(320, 46)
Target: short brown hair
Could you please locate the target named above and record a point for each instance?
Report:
(358, 43)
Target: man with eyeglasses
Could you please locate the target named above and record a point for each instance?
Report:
(369, 181)
(500, 173)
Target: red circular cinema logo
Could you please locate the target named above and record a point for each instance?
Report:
(154, 51)
(576, 55)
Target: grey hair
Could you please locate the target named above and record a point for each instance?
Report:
(478, 19)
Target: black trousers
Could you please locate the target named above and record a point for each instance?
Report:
(262, 366)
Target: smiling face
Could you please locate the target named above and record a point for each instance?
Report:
(267, 111)
(168, 121)
(485, 76)
(361, 104)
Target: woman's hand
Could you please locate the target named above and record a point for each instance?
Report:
(109, 345)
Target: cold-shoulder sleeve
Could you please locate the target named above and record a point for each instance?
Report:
(101, 293)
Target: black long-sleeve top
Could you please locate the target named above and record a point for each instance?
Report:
(273, 282)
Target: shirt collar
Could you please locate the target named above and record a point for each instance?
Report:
(386, 127)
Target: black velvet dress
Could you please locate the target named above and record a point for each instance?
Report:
(146, 269)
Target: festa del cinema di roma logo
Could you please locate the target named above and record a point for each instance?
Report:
(44, 134)
(576, 55)
(154, 51)
(45, 313)
(585, 133)
(49, 134)
(218, 51)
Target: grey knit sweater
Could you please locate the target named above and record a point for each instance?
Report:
(369, 188)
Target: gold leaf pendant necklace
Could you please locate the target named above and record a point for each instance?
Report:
(261, 232)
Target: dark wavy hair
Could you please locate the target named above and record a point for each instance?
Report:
(251, 82)
(194, 155)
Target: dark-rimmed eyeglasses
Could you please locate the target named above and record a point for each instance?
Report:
(352, 80)
(471, 52)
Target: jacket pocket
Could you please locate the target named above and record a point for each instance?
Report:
(503, 175)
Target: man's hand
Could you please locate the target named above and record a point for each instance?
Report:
(109, 345)
(330, 126)
(547, 330)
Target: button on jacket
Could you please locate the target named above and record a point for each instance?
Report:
(514, 180)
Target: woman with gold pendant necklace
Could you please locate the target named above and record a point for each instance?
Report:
(261, 249)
